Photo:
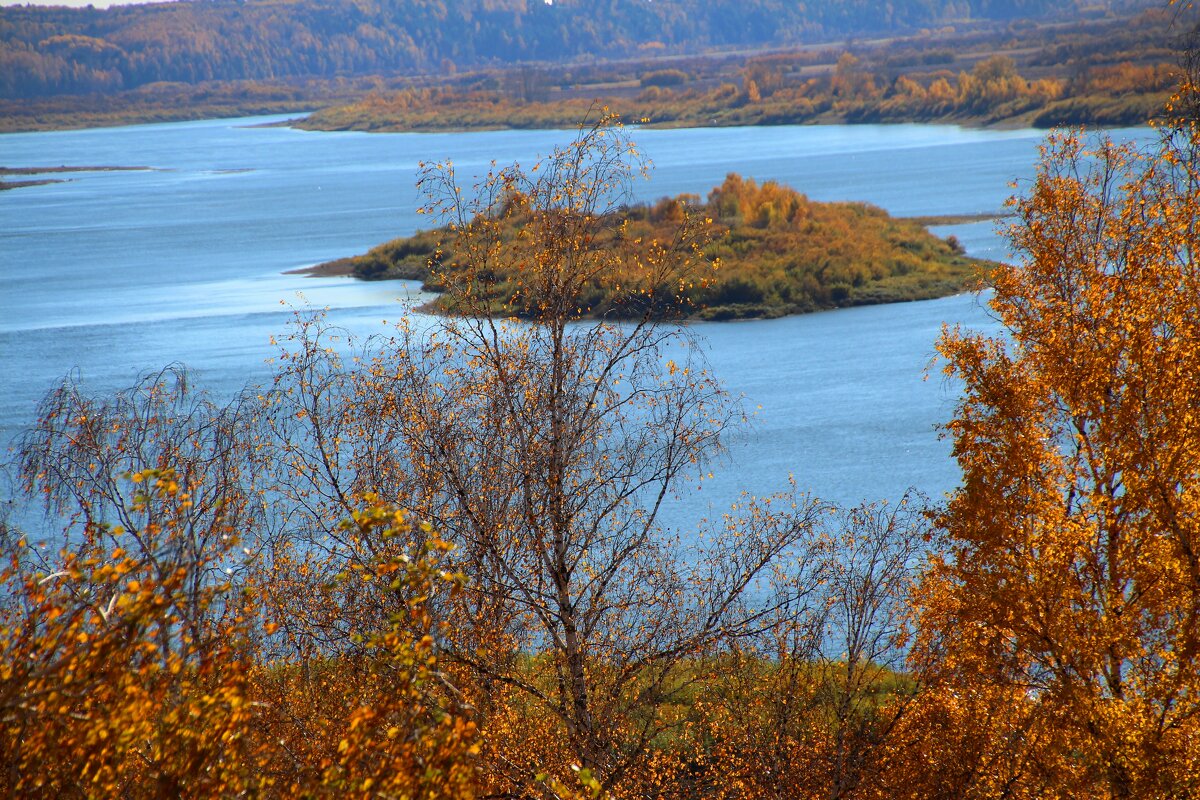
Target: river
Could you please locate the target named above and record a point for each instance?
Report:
(112, 273)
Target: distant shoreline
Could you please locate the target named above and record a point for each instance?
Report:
(65, 168)
(957, 219)
(6, 185)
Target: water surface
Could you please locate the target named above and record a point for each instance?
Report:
(110, 274)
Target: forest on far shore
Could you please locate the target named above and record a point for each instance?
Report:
(389, 66)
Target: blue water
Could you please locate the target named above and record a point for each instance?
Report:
(114, 273)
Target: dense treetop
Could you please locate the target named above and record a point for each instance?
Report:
(47, 51)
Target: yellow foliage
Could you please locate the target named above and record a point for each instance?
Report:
(119, 681)
(1062, 631)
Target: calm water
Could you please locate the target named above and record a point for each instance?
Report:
(114, 273)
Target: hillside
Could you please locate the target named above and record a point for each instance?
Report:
(55, 50)
(61, 68)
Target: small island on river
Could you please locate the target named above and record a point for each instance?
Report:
(777, 253)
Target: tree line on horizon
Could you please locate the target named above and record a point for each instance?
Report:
(46, 51)
(782, 89)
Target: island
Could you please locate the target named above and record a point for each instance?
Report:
(777, 253)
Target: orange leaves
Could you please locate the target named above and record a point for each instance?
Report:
(95, 662)
(1066, 592)
(146, 698)
(401, 736)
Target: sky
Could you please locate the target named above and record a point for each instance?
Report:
(73, 3)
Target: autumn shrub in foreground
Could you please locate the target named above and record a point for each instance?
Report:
(105, 693)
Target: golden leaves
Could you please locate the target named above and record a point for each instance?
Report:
(1067, 591)
(133, 702)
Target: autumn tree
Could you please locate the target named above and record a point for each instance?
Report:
(77, 459)
(813, 709)
(1062, 626)
(154, 661)
(120, 678)
(543, 448)
(380, 720)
